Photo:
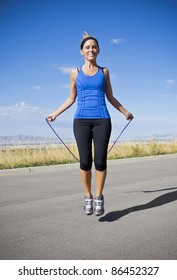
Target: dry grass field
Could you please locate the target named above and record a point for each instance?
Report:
(15, 157)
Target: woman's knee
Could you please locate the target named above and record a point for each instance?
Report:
(85, 165)
(100, 165)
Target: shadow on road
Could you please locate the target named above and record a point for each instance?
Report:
(159, 201)
(161, 190)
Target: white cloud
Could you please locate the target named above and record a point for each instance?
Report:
(171, 95)
(37, 87)
(170, 82)
(65, 86)
(117, 41)
(22, 118)
(20, 105)
(20, 111)
(113, 76)
(63, 69)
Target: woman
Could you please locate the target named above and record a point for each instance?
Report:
(92, 121)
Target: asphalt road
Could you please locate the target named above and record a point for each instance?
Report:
(41, 214)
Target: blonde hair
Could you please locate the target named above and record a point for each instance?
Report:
(86, 36)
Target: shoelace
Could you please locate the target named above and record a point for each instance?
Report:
(99, 203)
(88, 202)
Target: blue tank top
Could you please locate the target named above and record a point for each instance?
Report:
(91, 96)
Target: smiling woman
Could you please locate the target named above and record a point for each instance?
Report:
(90, 84)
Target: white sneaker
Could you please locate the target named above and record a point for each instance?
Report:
(99, 206)
(88, 206)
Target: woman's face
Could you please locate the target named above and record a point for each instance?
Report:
(90, 50)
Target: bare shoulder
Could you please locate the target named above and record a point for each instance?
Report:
(74, 73)
(106, 72)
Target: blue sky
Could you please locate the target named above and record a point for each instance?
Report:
(40, 45)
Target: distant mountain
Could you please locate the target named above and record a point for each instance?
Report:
(26, 140)
(159, 137)
(38, 140)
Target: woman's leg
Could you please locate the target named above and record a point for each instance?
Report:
(101, 136)
(100, 181)
(83, 136)
(86, 177)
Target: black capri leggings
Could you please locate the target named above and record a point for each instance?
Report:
(98, 130)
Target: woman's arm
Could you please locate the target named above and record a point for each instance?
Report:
(70, 100)
(112, 99)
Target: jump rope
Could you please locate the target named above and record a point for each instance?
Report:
(72, 152)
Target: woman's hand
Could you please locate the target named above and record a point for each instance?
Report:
(51, 117)
(129, 116)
